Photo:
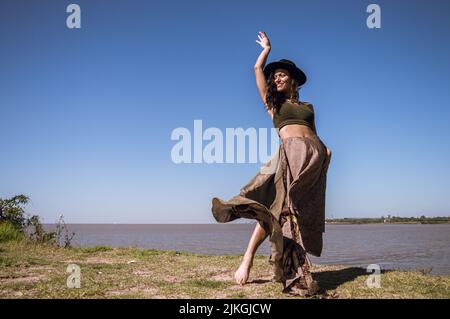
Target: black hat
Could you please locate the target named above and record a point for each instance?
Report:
(290, 66)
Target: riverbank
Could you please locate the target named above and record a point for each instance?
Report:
(36, 271)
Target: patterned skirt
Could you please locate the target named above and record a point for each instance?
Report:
(301, 155)
(289, 203)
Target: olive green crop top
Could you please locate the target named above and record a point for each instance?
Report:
(290, 113)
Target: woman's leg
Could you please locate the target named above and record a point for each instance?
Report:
(258, 236)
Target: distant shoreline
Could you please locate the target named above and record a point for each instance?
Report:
(328, 222)
(381, 223)
(390, 220)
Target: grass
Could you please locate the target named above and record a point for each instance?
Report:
(34, 271)
(95, 249)
(9, 233)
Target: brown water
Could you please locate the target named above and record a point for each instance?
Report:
(407, 247)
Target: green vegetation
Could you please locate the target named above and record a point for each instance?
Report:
(95, 249)
(14, 225)
(10, 233)
(33, 270)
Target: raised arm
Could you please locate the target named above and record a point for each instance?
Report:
(261, 83)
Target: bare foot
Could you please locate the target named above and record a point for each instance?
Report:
(242, 273)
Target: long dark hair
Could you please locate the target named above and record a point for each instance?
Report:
(275, 99)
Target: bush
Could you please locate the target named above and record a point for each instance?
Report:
(38, 234)
(8, 232)
(12, 212)
(63, 236)
(17, 225)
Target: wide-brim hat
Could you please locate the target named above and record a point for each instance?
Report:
(294, 71)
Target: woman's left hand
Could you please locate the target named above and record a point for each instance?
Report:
(264, 41)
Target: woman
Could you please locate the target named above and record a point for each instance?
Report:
(287, 196)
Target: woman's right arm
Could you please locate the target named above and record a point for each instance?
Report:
(261, 82)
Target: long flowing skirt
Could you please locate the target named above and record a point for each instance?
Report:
(287, 198)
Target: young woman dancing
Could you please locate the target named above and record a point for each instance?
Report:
(287, 196)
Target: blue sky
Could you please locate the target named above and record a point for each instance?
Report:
(87, 114)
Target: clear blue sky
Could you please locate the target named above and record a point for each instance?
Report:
(86, 115)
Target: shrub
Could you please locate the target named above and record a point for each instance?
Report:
(38, 234)
(8, 232)
(12, 211)
(15, 225)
